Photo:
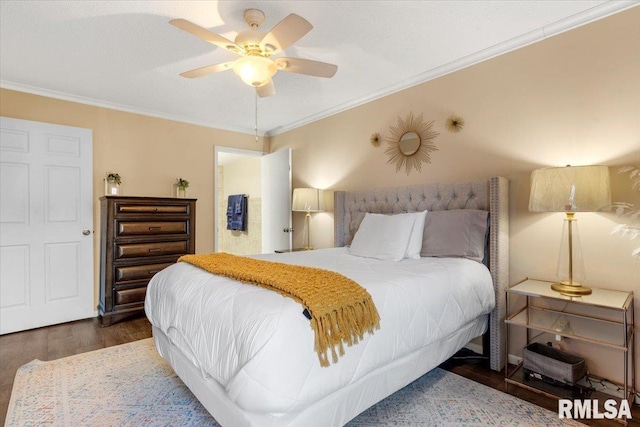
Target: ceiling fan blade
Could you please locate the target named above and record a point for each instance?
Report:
(285, 33)
(266, 90)
(306, 66)
(199, 72)
(206, 35)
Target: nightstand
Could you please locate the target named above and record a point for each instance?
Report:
(604, 318)
(284, 251)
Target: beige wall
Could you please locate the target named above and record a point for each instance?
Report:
(149, 153)
(571, 99)
(242, 177)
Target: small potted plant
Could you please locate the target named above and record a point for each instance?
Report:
(181, 186)
(112, 184)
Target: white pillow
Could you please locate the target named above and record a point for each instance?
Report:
(384, 237)
(415, 241)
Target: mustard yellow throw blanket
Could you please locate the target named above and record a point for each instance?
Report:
(341, 310)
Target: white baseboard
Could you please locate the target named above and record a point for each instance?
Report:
(514, 360)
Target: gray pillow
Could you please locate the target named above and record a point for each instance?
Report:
(455, 233)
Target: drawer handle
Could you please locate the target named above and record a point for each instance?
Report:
(155, 209)
(153, 271)
(154, 228)
(154, 249)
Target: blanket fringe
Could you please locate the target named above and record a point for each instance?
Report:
(343, 325)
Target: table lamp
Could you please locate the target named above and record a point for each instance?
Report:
(570, 189)
(307, 200)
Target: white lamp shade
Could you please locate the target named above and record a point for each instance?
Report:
(570, 189)
(307, 200)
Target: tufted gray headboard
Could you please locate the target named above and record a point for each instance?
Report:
(491, 195)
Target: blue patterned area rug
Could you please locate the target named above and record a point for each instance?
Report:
(131, 385)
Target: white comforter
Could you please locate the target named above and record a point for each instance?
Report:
(259, 346)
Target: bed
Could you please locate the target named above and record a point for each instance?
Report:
(247, 353)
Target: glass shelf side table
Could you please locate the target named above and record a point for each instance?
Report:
(603, 318)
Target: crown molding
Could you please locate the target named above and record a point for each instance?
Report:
(119, 107)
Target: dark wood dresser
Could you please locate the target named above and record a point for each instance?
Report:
(139, 236)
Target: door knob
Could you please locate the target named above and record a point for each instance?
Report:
(86, 232)
(288, 230)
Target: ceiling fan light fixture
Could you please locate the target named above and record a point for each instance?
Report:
(255, 71)
(255, 48)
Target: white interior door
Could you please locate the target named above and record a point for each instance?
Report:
(276, 201)
(46, 218)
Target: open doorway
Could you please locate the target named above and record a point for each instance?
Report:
(238, 172)
(266, 181)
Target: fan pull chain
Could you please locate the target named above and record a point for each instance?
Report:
(256, 95)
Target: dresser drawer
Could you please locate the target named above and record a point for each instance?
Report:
(125, 208)
(128, 296)
(150, 228)
(139, 272)
(135, 250)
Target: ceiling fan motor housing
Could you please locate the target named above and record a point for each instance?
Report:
(250, 42)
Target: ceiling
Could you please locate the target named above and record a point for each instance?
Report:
(125, 55)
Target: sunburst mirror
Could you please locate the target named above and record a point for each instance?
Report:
(410, 143)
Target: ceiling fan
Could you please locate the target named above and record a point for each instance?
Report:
(255, 67)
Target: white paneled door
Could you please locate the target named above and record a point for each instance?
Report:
(46, 221)
(276, 201)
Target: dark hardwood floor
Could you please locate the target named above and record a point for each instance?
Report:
(72, 338)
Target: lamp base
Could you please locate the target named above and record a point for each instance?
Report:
(571, 289)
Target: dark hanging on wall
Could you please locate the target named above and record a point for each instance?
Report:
(237, 212)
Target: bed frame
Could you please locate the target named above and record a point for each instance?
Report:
(346, 403)
(491, 195)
